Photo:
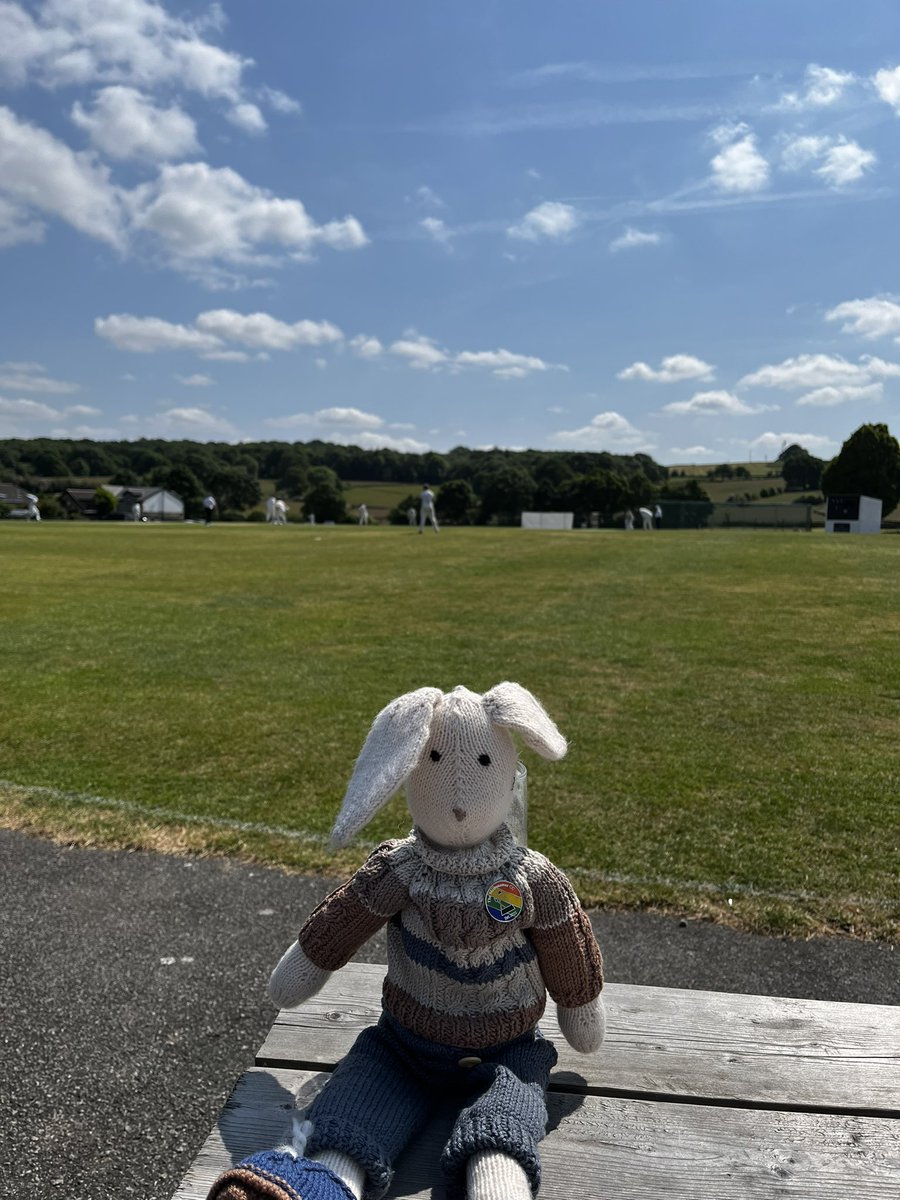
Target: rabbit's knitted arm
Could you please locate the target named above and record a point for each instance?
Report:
(568, 955)
(342, 923)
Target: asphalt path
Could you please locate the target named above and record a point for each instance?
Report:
(132, 996)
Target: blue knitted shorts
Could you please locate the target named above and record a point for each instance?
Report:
(390, 1083)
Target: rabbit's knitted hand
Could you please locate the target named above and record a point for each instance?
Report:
(295, 978)
(583, 1027)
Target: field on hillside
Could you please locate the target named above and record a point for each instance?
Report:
(731, 699)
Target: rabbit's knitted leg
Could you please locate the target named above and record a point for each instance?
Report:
(491, 1175)
(347, 1169)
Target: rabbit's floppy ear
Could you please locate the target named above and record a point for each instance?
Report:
(391, 751)
(512, 705)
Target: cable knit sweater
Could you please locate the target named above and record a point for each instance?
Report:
(457, 974)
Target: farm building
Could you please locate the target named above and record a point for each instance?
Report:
(11, 493)
(156, 503)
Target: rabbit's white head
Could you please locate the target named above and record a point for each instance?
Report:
(455, 754)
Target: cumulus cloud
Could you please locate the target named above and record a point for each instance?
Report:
(31, 409)
(420, 352)
(829, 397)
(875, 317)
(739, 166)
(366, 347)
(716, 403)
(195, 422)
(503, 363)
(205, 220)
(137, 42)
(823, 87)
(887, 85)
(32, 377)
(146, 335)
(437, 229)
(203, 214)
(606, 431)
(810, 371)
(124, 123)
(261, 330)
(841, 161)
(194, 380)
(674, 369)
(39, 172)
(632, 238)
(774, 443)
(550, 220)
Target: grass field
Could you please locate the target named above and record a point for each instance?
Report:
(731, 698)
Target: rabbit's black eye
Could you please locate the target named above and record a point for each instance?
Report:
(484, 759)
(435, 756)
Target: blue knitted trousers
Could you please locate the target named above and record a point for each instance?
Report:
(388, 1086)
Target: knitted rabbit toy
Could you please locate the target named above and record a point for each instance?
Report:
(479, 930)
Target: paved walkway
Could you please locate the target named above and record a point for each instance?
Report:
(132, 993)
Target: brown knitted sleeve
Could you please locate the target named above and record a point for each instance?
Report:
(350, 915)
(567, 950)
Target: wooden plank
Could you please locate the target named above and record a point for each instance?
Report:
(663, 1043)
(606, 1148)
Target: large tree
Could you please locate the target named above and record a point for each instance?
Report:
(868, 465)
(324, 498)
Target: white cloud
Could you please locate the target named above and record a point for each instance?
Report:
(715, 404)
(246, 116)
(691, 453)
(280, 101)
(383, 441)
(145, 335)
(739, 166)
(81, 410)
(504, 363)
(824, 86)
(425, 195)
(887, 84)
(802, 150)
(202, 214)
(196, 422)
(31, 409)
(437, 229)
(845, 162)
(124, 123)
(875, 317)
(262, 330)
(39, 172)
(114, 41)
(240, 356)
(841, 161)
(352, 417)
(673, 369)
(420, 352)
(606, 431)
(633, 238)
(828, 397)
(31, 377)
(16, 225)
(194, 380)
(820, 370)
(366, 347)
(548, 220)
(774, 443)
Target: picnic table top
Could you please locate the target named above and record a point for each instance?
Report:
(693, 1094)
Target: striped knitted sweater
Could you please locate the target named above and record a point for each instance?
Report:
(456, 974)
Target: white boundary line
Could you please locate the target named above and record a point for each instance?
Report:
(726, 889)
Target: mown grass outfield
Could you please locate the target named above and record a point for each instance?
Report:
(731, 697)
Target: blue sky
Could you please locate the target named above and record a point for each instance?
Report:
(655, 226)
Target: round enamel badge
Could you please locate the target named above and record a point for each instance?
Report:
(504, 902)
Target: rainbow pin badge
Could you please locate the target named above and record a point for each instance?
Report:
(504, 902)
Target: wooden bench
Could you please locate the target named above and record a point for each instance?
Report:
(694, 1094)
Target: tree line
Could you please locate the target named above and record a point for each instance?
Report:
(475, 486)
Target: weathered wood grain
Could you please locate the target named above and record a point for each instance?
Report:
(664, 1043)
(609, 1148)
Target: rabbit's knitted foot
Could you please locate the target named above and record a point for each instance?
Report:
(279, 1175)
(491, 1175)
